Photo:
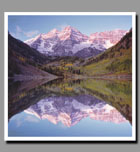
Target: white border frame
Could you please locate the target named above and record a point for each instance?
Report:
(133, 138)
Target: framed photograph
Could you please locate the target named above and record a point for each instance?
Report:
(70, 76)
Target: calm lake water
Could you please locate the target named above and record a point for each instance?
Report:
(61, 107)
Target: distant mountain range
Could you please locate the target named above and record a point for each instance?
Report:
(71, 42)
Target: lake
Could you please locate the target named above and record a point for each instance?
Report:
(70, 108)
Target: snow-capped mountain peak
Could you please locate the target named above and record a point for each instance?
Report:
(70, 28)
(69, 41)
(72, 33)
(107, 38)
(54, 31)
(32, 40)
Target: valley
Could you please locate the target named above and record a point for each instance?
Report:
(26, 62)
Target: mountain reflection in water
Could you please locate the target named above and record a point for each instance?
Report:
(70, 101)
(70, 110)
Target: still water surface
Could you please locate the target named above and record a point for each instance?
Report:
(61, 107)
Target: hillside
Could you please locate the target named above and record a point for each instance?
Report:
(116, 60)
(24, 61)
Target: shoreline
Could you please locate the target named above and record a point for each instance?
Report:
(76, 77)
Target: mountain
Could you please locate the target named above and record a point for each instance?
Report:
(71, 110)
(71, 42)
(106, 39)
(115, 60)
(87, 52)
(24, 61)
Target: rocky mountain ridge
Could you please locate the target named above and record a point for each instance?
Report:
(70, 41)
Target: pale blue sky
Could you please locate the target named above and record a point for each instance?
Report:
(26, 27)
(26, 125)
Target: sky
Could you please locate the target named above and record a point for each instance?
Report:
(26, 125)
(26, 27)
